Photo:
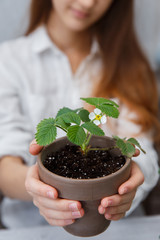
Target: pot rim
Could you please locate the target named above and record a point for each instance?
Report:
(91, 180)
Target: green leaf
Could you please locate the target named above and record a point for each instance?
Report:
(67, 110)
(109, 110)
(63, 111)
(76, 134)
(77, 110)
(84, 115)
(111, 103)
(116, 137)
(121, 145)
(71, 117)
(46, 132)
(127, 148)
(62, 124)
(99, 101)
(136, 143)
(93, 129)
(130, 149)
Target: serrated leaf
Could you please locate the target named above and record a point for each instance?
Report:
(77, 110)
(115, 137)
(121, 145)
(111, 103)
(93, 129)
(46, 132)
(71, 117)
(76, 134)
(63, 111)
(136, 143)
(130, 149)
(109, 110)
(61, 123)
(99, 101)
(126, 147)
(84, 115)
(67, 110)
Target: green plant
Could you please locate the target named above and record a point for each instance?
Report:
(80, 125)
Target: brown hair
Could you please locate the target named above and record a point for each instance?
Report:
(39, 13)
(126, 72)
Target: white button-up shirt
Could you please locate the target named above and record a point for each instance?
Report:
(35, 81)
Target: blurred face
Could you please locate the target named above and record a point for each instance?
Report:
(78, 15)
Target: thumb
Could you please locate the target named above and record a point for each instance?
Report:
(35, 186)
(34, 148)
(135, 180)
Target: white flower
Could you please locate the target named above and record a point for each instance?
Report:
(97, 111)
(92, 116)
(97, 117)
(103, 119)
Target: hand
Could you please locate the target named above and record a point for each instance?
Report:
(59, 212)
(114, 207)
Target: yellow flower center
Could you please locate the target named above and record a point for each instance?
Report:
(98, 117)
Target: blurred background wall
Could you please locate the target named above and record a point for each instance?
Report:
(13, 18)
(147, 24)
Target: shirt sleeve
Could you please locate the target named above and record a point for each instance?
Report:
(148, 162)
(15, 130)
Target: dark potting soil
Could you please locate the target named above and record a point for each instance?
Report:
(71, 163)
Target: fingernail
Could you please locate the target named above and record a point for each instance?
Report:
(103, 211)
(73, 207)
(50, 194)
(76, 214)
(108, 216)
(108, 203)
(69, 221)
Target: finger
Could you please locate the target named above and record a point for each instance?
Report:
(58, 204)
(117, 199)
(137, 152)
(34, 148)
(118, 209)
(60, 223)
(61, 215)
(114, 217)
(135, 180)
(35, 186)
(101, 209)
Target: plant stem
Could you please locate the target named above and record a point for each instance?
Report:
(61, 128)
(102, 149)
(85, 144)
(88, 139)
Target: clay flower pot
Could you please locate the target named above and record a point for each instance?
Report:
(88, 191)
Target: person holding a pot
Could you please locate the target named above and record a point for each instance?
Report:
(73, 49)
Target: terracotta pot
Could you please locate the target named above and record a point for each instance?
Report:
(88, 191)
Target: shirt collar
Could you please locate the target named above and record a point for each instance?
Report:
(42, 42)
(95, 48)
